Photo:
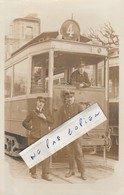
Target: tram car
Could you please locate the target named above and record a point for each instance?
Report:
(43, 67)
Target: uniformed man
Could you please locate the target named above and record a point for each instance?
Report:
(38, 122)
(80, 77)
(74, 149)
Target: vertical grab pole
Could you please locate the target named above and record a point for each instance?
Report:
(30, 74)
(107, 78)
(107, 87)
(106, 64)
(50, 84)
(50, 77)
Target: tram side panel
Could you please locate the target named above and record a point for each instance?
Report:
(114, 128)
(15, 133)
(7, 116)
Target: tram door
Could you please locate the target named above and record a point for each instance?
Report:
(114, 109)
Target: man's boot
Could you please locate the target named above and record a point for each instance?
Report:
(46, 177)
(34, 175)
(70, 173)
(83, 176)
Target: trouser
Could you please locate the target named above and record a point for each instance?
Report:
(45, 167)
(44, 164)
(75, 154)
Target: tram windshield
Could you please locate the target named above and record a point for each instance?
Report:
(95, 74)
(64, 65)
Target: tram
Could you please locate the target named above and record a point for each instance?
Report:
(43, 67)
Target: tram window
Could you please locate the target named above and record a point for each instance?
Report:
(20, 78)
(91, 72)
(38, 75)
(56, 81)
(58, 78)
(114, 82)
(95, 74)
(90, 69)
(8, 76)
(62, 80)
(100, 75)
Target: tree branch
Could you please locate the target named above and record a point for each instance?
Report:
(105, 35)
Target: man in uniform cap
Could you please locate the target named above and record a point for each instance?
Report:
(37, 123)
(80, 77)
(74, 149)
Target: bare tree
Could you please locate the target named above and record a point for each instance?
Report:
(105, 35)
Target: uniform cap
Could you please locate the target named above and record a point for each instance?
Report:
(81, 64)
(85, 103)
(68, 94)
(41, 99)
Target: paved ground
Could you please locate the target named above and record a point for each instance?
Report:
(96, 169)
(100, 179)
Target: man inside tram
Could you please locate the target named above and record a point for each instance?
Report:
(80, 77)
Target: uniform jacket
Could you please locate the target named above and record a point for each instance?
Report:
(37, 125)
(77, 78)
(66, 112)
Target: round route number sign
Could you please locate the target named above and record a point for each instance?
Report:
(70, 30)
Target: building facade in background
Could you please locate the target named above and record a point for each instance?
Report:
(22, 30)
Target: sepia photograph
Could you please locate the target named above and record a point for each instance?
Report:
(61, 86)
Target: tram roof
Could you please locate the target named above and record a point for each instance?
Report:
(45, 36)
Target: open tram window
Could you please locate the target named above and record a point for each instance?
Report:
(90, 70)
(59, 71)
(96, 74)
(20, 78)
(58, 77)
(67, 63)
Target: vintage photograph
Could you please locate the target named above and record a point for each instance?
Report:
(61, 57)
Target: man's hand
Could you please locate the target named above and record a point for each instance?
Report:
(41, 115)
(83, 84)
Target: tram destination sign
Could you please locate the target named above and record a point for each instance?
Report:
(63, 135)
(70, 30)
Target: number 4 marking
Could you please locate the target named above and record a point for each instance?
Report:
(70, 30)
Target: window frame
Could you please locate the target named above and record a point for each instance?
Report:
(27, 66)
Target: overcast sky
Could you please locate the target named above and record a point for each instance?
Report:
(88, 13)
